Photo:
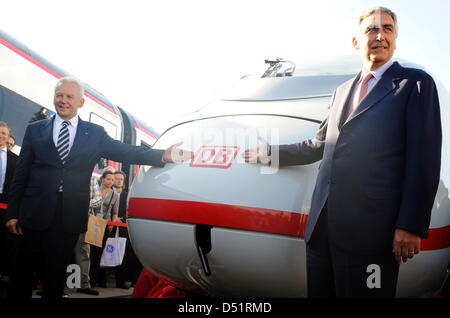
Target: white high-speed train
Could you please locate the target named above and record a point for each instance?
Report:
(220, 227)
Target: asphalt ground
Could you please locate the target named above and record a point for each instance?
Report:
(109, 292)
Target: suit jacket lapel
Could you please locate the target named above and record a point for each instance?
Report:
(47, 134)
(9, 167)
(81, 137)
(342, 98)
(385, 85)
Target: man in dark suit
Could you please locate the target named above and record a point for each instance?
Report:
(11, 142)
(8, 161)
(49, 194)
(123, 269)
(380, 146)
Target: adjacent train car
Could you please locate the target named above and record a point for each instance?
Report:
(135, 132)
(220, 227)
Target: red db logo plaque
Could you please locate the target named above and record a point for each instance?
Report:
(215, 157)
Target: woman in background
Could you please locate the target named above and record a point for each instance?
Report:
(108, 210)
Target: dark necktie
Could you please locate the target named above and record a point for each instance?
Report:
(63, 142)
(1, 172)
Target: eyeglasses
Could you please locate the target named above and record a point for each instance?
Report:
(10, 144)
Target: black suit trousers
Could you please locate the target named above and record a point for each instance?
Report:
(44, 254)
(334, 273)
(8, 247)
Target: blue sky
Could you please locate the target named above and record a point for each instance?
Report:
(159, 59)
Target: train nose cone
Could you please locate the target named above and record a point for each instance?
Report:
(218, 225)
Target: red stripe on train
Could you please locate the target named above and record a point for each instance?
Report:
(438, 238)
(224, 215)
(29, 58)
(246, 218)
(49, 70)
(144, 130)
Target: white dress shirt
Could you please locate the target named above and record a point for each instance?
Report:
(72, 129)
(3, 159)
(377, 73)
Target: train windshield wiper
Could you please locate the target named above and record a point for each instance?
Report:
(279, 68)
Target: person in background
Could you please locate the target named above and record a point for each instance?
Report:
(131, 265)
(39, 115)
(8, 243)
(82, 249)
(11, 142)
(108, 168)
(123, 271)
(108, 210)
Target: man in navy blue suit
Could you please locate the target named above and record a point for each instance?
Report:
(49, 194)
(380, 147)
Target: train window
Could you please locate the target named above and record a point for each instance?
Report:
(18, 111)
(110, 128)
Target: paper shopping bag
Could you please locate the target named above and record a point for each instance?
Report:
(114, 251)
(95, 231)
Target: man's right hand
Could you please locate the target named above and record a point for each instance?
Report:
(173, 154)
(14, 227)
(258, 154)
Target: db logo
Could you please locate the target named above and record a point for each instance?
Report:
(215, 156)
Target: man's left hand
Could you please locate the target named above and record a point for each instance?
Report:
(405, 245)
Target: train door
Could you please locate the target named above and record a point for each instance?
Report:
(112, 130)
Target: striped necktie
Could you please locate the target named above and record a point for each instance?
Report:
(63, 142)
